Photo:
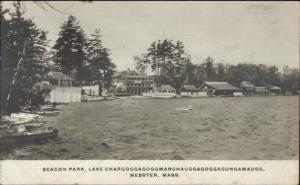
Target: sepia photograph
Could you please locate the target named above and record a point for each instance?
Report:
(91, 80)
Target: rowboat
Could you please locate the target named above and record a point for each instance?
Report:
(20, 118)
(48, 113)
(47, 108)
(33, 126)
(27, 137)
(24, 115)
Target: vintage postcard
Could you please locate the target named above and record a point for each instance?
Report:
(154, 92)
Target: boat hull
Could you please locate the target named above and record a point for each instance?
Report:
(48, 113)
(12, 141)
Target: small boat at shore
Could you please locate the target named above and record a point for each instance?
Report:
(27, 137)
(33, 126)
(48, 113)
(96, 98)
(44, 110)
(16, 121)
(47, 108)
(4, 126)
(23, 115)
(139, 97)
(184, 108)
(20, 118)
(109, 98)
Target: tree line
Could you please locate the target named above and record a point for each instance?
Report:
(177, 69)
(27, 58)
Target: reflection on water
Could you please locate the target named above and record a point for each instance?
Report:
(216, 128)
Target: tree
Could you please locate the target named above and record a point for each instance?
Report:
(100, 66)
(70, 47)
(140, 63)
(23, 62)
(209, 69)
(273, 75)
(221, 72)
(169, 61)
(289, 81)
(197, 76)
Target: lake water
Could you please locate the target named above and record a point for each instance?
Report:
(237, 128)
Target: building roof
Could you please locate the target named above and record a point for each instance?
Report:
(167, 88)
(247, 84)
(128, 73)
(275, 88)
(58, 76)
(262, 89)
(189, 88)
(220, 85)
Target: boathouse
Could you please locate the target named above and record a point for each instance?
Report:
(219, 88)
(60, 88)
(248, 88)
(191, 91)
(275, 91)
(262, 91)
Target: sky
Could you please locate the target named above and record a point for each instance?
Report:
(230, 32)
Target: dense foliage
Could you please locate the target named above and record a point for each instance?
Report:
(100, 68)
(176, 69)
(169, 61)
(70, 48)
(23, 59)
(85, 59)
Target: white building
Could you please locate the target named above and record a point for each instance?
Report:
(59, 88)
(91, 90)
